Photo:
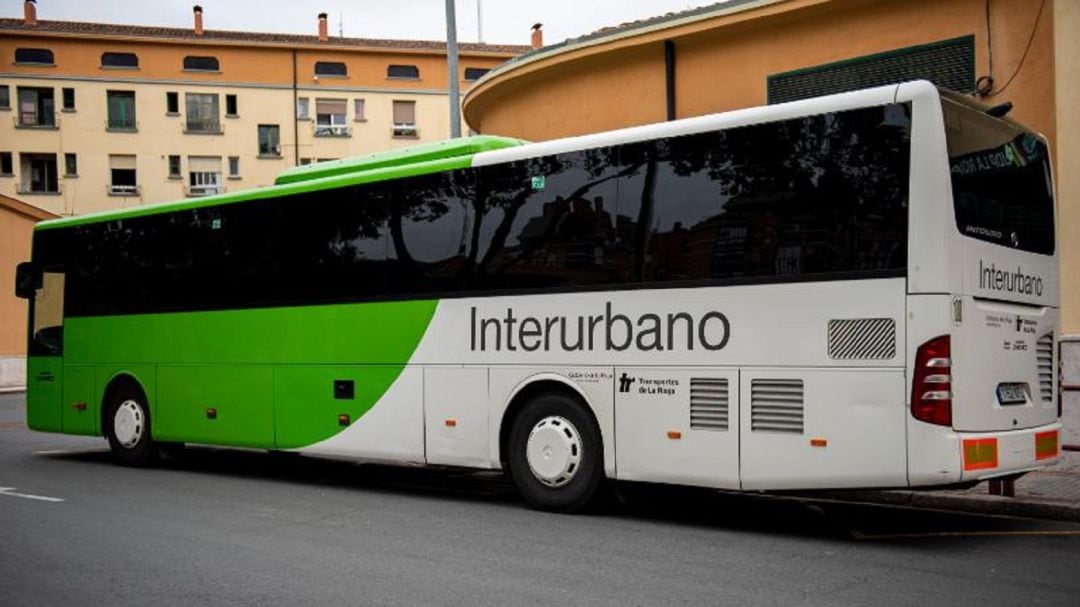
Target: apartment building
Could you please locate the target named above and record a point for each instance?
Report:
(96, 116)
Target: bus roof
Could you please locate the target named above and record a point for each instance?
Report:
(420, 153)
(408, 162)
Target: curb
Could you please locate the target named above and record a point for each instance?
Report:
(971, 504)
(12, 389)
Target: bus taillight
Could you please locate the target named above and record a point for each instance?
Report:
(931, 389)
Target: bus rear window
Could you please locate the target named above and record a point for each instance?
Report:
(1002, 191)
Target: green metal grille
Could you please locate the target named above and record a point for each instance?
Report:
(948, 63)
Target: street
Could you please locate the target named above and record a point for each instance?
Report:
(236, 527)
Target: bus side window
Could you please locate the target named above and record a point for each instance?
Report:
(49, 316)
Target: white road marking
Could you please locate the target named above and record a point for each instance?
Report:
(52, 452)
(44, 498)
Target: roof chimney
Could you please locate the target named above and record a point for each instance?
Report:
(198, 20)
(323, 34)
(538, 35)
(29, 13)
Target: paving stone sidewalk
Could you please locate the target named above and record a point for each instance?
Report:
(1051, 493)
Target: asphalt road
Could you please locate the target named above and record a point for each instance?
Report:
(231, 527)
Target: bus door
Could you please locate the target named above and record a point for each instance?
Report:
(45, 348)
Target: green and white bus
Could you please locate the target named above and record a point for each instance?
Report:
(858, 290)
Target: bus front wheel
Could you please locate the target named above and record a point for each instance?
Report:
(127, 426)
(556, 456)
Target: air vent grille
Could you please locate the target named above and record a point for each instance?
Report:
(776, 405)
(862, 338)
(1044, 353)
(708, 403)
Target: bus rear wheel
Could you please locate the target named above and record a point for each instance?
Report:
(127, 426)
(555, 454)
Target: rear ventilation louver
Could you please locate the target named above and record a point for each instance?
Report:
(1044, 353)
(776, 405)
(862, 339)
(708, 403)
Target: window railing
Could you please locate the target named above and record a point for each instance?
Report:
(124, 190)
(39, 121)
(26, 189)
(405, 129)
(121, 124)
(202, 125)
(204, 190)
(332, 130)
(269, 150)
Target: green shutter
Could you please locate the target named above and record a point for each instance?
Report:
(949, 64)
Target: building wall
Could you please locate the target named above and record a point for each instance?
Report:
(16, 224)
(1067, 68)
(261, 77)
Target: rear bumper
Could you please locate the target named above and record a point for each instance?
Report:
(985, 455)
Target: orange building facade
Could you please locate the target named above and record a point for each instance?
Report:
(746, 53)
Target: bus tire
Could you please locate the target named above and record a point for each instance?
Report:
(556, 454)
(127, 426)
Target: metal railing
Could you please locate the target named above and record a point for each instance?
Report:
(124, 190)
(205, 125)
(332, 130)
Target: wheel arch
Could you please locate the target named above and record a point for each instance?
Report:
(115, 383)
(526, 390)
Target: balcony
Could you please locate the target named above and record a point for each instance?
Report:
(208, 126)
(204, 190)
(41, 123)
(121, 125)
(405, 130)
(37, 190)
(332, 130)
(124, 190)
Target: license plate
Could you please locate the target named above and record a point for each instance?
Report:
(1012, 394)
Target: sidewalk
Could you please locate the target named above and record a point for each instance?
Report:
(1052, 493)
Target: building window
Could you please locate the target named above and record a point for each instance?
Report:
(38, 174)
(201, 64)
(122, 176)
(71, 165)
(234, 167)
(37, 108)
(330, 118)
(406, 72)
(174, 167)
(358, 110)
(305, 161)
(67, 97)
(475, 73)
(172, 103)
(120, 60)
(302, 109)
(5, 97)
(204, 175)
(231, 106)
(34, 56)
(203, 113)
(5, 164)
(121, 107)
(334, 69)
(269, 140)
(405, 119)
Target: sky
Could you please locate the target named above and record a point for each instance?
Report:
(504, 21)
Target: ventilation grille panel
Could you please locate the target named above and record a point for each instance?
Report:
(708, 403)
(1044, 353)
(862, 339)
(776, 405)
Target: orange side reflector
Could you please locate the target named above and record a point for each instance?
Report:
(451, 423)
(79, 406)
(343, 420)
(674, 434)
(1046, 445)
(980, 453)
(819, 442)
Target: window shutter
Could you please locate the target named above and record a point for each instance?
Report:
(330, 106)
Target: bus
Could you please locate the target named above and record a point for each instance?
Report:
(851, 291)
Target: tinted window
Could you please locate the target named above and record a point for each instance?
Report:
(202, 64)
(430, 224)
(402, 71)
(475, 73)
(1002, 191)
(33, 55)
(811, 196)
(546, 222)
(330, 68)
(119, 60)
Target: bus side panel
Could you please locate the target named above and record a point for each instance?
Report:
(456, 425)
(220, 405)
(852, 428)
(79, 409)
(43, 393)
